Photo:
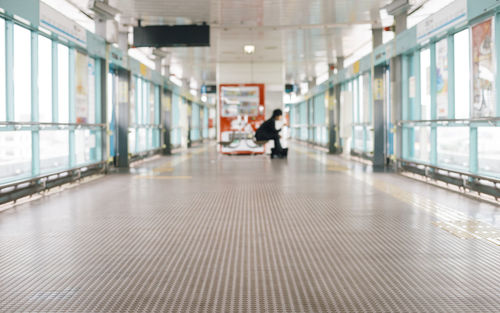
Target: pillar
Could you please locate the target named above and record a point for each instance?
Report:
(379, 129)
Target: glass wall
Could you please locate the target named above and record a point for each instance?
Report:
(144, 130)
(362, 114)
(456, 125)
(53, 114)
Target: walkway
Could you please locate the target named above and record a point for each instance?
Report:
(200, 232)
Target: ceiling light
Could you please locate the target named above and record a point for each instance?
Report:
(249, 49)
(175, 80)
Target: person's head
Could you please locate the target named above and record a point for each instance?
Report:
(277, 114)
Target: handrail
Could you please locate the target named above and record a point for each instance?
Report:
(478, 177)
(50, 124)
(450, 120)
(41, 177)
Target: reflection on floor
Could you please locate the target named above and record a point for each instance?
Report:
(201, 232)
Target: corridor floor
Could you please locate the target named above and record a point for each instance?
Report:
(201, 232)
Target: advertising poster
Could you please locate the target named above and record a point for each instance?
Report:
(442, 78)
(82, 90)
(483, 71)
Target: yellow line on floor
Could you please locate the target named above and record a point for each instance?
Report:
(449, 219)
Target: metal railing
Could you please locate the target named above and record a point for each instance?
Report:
(22, 188)
(461, 179)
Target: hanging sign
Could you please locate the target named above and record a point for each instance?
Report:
(61, 25)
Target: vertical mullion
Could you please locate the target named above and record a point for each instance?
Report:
(9, 69)
(55, 82)
(156, 130)
(451, 77)
(71, 103)
(473, 150)
(433, 157)
(35, 135)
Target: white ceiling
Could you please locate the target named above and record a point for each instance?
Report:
(305, 35)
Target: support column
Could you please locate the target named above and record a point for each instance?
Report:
(379, 140)
(397, 85)
(337, 143)
(122, 119)
(166, 106)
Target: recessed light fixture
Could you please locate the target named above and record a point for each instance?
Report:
(249, 49)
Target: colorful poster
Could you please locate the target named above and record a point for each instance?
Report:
(442, 78)
(483, 71)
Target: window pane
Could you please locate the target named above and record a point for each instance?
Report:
(85, 141)
(361, 104)
(3, 112)
(54, 150)
(15, 154)
(45, 79)
(453, 146)
(131, 140)
(462, 74)
(422, 144)
(425, 84)
(82, 88)
(63, 76)
(22, 74)
(151, 103)
(442, 78)
(489, 150)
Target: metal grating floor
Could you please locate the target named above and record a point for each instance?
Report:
(238, 234)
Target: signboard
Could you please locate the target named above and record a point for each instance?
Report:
(483, 70)
(452, 15)
(208, 89)
(62, 25)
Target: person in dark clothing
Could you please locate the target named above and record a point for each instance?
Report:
(268, 131)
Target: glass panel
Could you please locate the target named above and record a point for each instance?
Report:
(54, 150)
(359, 135)
(489, 150)
(82, 88)
(453, 146)
(142, 140)
(85, 141)
(3, 109)
(422, 144)
(483, 70)
(15, 154)
(462, 74)
(63, 77)
(361, 104)
(22, 74)
(131, 140)
(442, 78)
(425, 84)
(152, 103)
(139, 101)
(45, 79)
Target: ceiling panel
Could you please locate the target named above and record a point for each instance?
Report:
(305, 35)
